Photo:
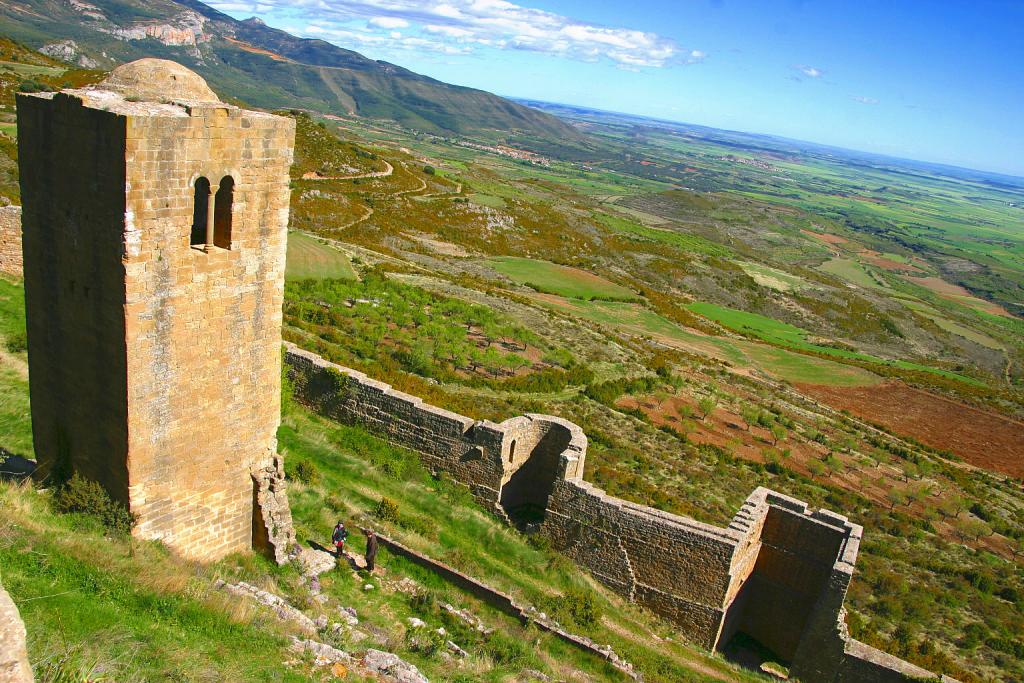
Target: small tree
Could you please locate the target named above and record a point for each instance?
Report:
(778, 434)
(952, 506)
(749, 415)
(834, 465)
(896, 497)
(707, 406)
(972, 528)
(816, 468)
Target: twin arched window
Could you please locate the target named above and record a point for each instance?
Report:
(211, 213)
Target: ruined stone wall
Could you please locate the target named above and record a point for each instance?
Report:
(14, 665)
(778, 571)
(471, 452)
(677, 567)
(10, 241)
(167, 387)
(792, 568)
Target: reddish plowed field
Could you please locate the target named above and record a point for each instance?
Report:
(981, 438)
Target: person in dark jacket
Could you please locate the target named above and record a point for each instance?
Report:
(371, 550)
(338, 538)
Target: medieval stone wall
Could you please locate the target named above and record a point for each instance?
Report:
(778, 571)
(10, 241)
(471, 452)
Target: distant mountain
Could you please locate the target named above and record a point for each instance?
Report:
(263, 66)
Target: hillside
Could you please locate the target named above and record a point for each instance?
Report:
(264, 66)
(99, 606)
(715, 317)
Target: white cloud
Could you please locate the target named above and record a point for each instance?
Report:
(809, 71)
(463, 25)
(864, 100)
(388, 22)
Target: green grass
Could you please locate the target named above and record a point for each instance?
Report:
(308, 257)
(790, 336)
(683, 241)
(951, 326)
(137, 614)
(850, 271)
(786, 365)
(31, 70)
(773, 278)
(489, 200)
(545, 276)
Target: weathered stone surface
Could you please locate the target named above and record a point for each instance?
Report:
(323, 653)
(313, 563)
(158, 80)
(273, 531)
(10, 241)
(154, 364)
(14, 666)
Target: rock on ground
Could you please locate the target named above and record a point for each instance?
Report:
(14, 667)
(281, 608)
(394, 667)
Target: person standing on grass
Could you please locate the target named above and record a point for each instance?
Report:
(371, 550)
(338, 538)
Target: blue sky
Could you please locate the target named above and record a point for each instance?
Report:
(938, 80)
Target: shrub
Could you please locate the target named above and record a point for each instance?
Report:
(17, 342)
(505, 650)
(81, 495)
(424, 526)
(306, 472)
(387, 510)
(579, 607)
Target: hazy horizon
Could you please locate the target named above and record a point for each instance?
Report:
(931, 82)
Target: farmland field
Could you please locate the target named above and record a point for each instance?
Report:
(309, 257)
(550, 277)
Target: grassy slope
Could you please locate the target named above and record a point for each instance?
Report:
(311, 258)
(96, 603)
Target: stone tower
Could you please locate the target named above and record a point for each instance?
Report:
(155, 223)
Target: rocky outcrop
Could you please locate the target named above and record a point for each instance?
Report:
(14, 666)
(68, 51)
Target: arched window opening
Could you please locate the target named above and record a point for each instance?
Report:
(222, 212)
(512, 451)
(200, 205)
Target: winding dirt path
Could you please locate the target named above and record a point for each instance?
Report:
(313, 175)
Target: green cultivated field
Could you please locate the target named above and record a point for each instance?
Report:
(308, 257)
(786, 335)
(545, 276)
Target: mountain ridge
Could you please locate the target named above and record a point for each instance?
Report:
(264, 66)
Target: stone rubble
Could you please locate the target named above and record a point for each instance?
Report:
(279, 605)
(467, 617)
(392, 666)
